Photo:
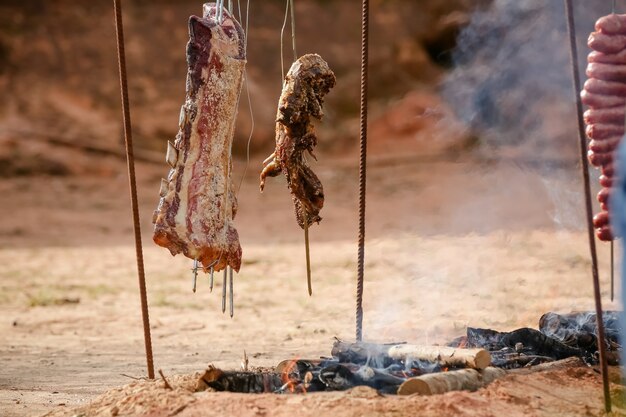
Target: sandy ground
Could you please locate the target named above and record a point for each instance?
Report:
(450, 244)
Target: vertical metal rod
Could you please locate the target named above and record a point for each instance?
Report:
(612, 271)
(587, 184)
(211, 281)
(307, 252)
(224, 290)
(231, 297)
(121, 58)
(195, 275)
(293, 30)
(362, 167)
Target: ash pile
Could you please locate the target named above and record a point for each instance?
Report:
(468, 362)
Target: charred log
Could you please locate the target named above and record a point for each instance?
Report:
(246, 382)
(361, 352)
(525, 340)
(539, 344)
(509, 359)
(579, 329)
(340, 377)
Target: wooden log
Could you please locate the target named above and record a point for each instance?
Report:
(539, 343)
(579, 328)
(573, 362)
(382, 355)
(361, 352)
(234, 381)
(446, 356)
(297, 365)
(439, 383)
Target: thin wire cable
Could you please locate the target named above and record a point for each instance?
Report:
(588, 207)
(362, 167)
(130, 158)
(247, 81)
(282, 32)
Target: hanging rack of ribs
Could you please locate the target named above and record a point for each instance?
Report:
(198, 203)
(309, 79)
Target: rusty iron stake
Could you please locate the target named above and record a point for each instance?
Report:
(130, 158)
(587, 184)
(362, 166)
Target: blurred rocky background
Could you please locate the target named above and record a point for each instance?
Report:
(485, 77)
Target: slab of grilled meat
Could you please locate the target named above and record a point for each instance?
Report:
(305, 86)
(198, 203)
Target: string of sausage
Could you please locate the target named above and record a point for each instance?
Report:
(605, 94)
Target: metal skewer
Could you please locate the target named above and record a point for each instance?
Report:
(307, 252)
(231, 295)
(195, 275)
(224, 291)
(211, 281)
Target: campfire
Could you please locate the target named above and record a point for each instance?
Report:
(468, 362)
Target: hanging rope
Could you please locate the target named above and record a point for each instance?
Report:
(121, 57)
(585, 170)
(362, 168)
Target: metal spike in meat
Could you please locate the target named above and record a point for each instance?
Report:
(305, 86)
(198, 204)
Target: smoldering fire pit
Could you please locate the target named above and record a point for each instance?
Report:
(468, 362)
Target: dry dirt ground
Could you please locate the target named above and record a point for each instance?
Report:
(450, 243)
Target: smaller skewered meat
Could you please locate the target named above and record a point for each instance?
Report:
(305, 86)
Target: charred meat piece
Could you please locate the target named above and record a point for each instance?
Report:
(305, 86)
(198, 204)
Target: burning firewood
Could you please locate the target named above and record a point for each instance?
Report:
(578, 329)
(233, 381)
(439, 383)
(525, 340)
(386, 354)
(444, 355)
